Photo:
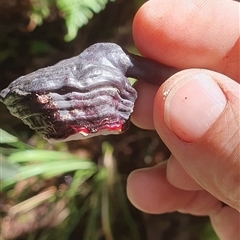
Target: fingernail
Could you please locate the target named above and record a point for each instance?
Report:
(192, 106)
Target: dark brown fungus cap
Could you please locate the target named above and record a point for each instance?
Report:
(83, 96)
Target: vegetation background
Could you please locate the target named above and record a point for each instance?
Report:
(74, 190)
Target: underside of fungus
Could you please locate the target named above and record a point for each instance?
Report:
(84, 96)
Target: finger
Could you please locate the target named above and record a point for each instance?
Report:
(184, 34)
(226, 223)
(196, 113)
(149, 190)
(178, 177)
(142, 115)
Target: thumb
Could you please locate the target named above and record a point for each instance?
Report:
(196, 113)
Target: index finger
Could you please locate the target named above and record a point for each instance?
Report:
(190, 34)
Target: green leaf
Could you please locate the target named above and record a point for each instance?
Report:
(7, 170)
(6, 137)
(37, 47)
(41, 156)
(48, 170)
(78, 12)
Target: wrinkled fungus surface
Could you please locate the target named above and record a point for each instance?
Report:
(83, 96)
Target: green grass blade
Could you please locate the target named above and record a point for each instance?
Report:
(7, 170)
(40, 156)
(47, 170)
(6, 137)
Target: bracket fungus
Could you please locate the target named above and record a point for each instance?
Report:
(83, 96)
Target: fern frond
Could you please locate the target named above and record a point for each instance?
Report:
(78, 12)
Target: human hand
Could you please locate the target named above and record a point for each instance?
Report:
(195, 112)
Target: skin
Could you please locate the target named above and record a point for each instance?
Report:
(195, 112)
